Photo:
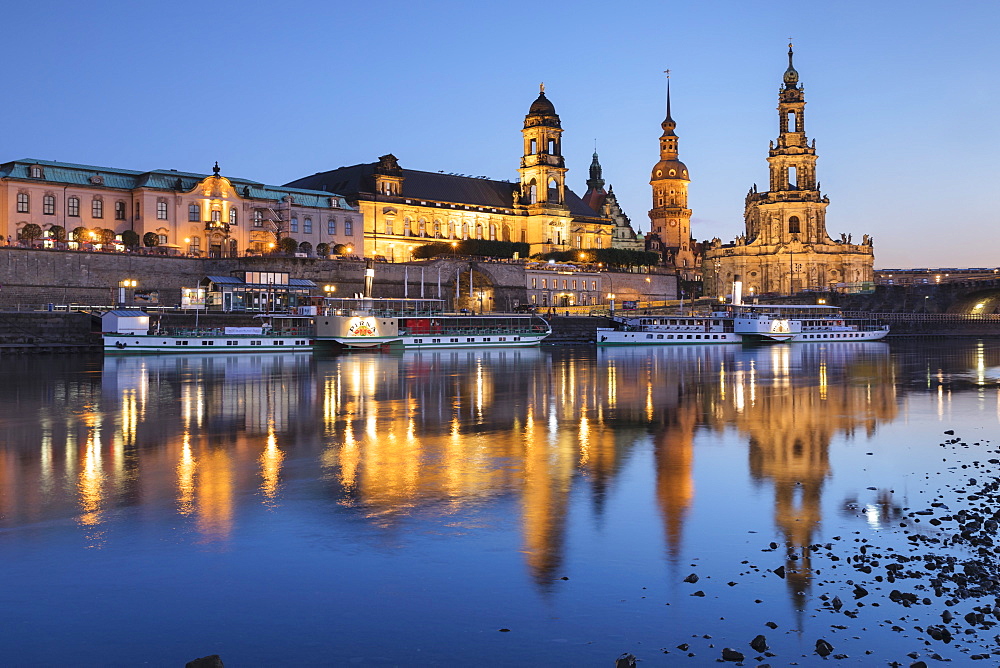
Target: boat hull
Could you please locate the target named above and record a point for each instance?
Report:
(145, 344)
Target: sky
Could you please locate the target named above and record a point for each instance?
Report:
(902, 98)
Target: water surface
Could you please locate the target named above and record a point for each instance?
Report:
(402, 510)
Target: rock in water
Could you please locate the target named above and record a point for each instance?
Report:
(626, 660)
(212, 661)
(823, 648)
(759, 644)
(691, 578)
(731, 655)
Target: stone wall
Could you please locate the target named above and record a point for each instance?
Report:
(31, 279)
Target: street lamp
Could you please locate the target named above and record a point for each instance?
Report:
(123, 285)
(611, 300)
(454, 249)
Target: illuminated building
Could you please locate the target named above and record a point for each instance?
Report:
(405, 208)
(786, 248)
(670, 218)
(200, 214)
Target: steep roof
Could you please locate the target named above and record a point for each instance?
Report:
(358, 180)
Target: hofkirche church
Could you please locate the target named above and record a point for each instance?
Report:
(786, 248)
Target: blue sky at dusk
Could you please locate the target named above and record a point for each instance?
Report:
(902, 98)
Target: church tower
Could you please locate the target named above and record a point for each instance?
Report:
(786, 248)
(670, 217)
(543, 168)
(793, 209)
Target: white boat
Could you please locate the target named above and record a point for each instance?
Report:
(369, 322)
(128, 332)
(743, 323)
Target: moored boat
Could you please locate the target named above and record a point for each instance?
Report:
(743, 323)
(369, 322)
(130, 332)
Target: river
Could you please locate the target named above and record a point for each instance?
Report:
(551, 507)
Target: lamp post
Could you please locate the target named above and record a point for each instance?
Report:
(123, 285)
(611, 300)
(454, 249)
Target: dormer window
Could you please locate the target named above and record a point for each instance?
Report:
(35, 172)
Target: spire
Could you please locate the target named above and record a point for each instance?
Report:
(791, 76)
(595, 182)
(668, 123)
(216, 168)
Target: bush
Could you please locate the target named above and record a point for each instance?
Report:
(306, 247)
(150, 240)
(288, 246)
(80, 234)
(105, 236)
(322, 250)
(480, 247)
(57, 232)
(130, 238)
(30, 232)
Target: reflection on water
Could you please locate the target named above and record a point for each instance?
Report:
(442, 433)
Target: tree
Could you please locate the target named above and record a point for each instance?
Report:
(306, 247)
(80, 234)
(57, 233)
(30, 232)
(150, 240)
(340, 249)
(288, 246)
(130, 238)
(322, 250)
(105, 236)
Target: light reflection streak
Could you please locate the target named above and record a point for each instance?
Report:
(270, 467)
(186, 469)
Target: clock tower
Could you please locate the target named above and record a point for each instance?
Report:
(670, 217)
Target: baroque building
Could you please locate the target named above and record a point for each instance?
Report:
(670, 217)
(606, 202)
(786, 248)
(206, 215)
(405, 208)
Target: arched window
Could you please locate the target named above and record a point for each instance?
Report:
(194, 213)
(532, 192)
(451, 229)
(792, 125)
(465, 230)
(533, 147)
(493, 232)
(552, 146)
(422, 228)
(437, 229)
(793, 225)
(792, 180)
(479, 230)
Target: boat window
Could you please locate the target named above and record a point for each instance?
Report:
(659, 336)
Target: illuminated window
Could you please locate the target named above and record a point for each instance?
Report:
(479, 231)
(23, 201)
(331, 226)
(194, 213)
(73, 207)
(161, 210)
(493, 232)
(216, 216)
(119, 210)
(49, 205)
(97, 208)
(162, 238)
(258, 219)
(307, 226)
(234, 216)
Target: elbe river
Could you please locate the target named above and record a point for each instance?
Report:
(542, 507)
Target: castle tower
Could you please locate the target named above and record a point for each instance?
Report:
(786, 248)
(596, 194)
(543, 168)
(670, 217)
